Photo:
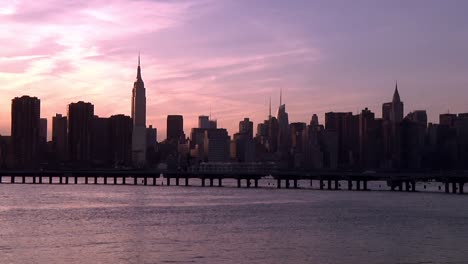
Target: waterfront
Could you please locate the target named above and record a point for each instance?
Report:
(147, 224)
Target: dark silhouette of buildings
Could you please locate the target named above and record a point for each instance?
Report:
(151, 137)
(43, 131)
(100, 143)
(139, 120)
(217, 145)
(25, 130)
(175, 128)
(346, 127)
(283, 129)
(120, 140)
(246, 127)
(203, 122)
(243, 144)
(346, 141)
(80, 125)
(59, 137)
(392, 114)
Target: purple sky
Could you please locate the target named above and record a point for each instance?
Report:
(233, 55)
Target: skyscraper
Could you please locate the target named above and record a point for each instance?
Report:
(43, 131)
(151, 137)
(418, 116)
(100, 141)
(284, 138)
(175, 127)
(396, 115)
(367, 139)
(121, 140)
(59, 136)
(203, 122)
(25, 126)
(392, 114)
(246, 127)
(139, 120)
(80, 121)
(346, 125)
(217, 143)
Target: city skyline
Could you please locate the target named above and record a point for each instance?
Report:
(341, 62)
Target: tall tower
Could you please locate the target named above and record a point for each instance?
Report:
(396, 115)
(80, 130)
(284, 138)
(25, 126)
(139, 120)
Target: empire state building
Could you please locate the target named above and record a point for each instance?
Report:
(139, 120)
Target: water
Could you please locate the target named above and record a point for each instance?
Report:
(147, 224)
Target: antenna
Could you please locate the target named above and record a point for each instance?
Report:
(269, 113)
(138, 58)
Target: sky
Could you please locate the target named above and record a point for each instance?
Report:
(230, 56)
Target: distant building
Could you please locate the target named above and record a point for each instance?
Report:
(329, 145)
(203, 122)
(120, 139)
(368, 130)
(151, 137)
(43, 131)
(246, 127)
(100, 142)
(139, 120)
(447, 119)
(25, 131)
(213, 124)
(313, 154)
(216, 145)
(346, 125)
(243, 148)
(175, 128)
(59, 137)
(284, 137)
(298, 138)
(80, 125)
(418, 116)
(314, 121)
(392, 114)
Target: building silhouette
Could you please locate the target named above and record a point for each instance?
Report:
(139, 120)
(43, 131)
(313, 154)
(246, 127)
(120, 139)
(203, 122)
(151, 137)
(100, 142)
(80, 125)
(346, 126)
(346, 141)
(284, 137)
(392, 115)
(216, 145)
(59, 137)
(175, 128)
(25, 131)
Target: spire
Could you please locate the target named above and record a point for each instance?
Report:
(269, 113)
(396, 95)
(139, 69)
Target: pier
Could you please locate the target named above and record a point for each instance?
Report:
(401, 182)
